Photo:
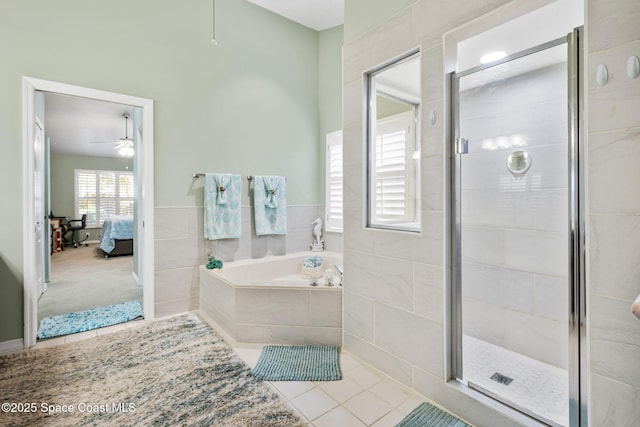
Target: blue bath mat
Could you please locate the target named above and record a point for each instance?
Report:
(80, 321)
(298, 363)
(427, 415)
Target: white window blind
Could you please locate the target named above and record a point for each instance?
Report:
(393, 176)
(101, 194)
(334, 178)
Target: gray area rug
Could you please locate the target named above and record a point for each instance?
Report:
(171, 372)
(427, 415)
(298, 363)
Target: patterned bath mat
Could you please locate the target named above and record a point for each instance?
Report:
(427, 415)
(298, 363)
(80, 321)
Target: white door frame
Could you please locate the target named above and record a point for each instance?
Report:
(42, 251)
(145, 223)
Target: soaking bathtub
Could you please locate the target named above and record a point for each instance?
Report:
(267, 300)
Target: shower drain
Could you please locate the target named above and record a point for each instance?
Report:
(502, 379)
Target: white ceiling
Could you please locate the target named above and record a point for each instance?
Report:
(316, 14)
(401, 80)
(547, 23)
(83, 126)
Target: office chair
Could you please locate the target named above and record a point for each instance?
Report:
(73, 226)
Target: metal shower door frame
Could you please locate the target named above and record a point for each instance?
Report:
(578, 355)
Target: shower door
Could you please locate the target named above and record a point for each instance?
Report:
(515, 232)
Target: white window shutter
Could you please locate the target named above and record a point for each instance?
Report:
(334, 179)
(393, 172)
(101, 194)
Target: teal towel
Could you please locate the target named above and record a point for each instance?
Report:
(222, 218)
(270, 205)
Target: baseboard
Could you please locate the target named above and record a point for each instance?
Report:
(135, 278)
(92, 241)
(11, 346)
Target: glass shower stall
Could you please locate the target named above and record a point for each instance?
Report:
(516, 231)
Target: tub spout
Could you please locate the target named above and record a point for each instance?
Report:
(340, 273)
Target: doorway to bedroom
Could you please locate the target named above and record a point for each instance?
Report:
(91, 173)
(90, 195)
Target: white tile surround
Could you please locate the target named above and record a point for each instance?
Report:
(180, 248)
(381, 282)
(614, 213)
(251, 314)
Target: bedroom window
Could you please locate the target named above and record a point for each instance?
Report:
(101, 194)
(333, 190)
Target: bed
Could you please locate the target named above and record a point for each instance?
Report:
(116, 237)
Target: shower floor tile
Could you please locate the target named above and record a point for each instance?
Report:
(536, 387)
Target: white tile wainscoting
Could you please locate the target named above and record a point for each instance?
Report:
(180, 248)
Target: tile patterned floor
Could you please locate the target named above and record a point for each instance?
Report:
(537, 387)
(364, 396)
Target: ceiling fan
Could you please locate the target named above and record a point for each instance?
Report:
(124, 146)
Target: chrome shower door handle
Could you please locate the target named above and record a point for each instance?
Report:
(462, 146)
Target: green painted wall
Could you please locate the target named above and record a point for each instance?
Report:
(329, 90)
(249, 105)
(62, 180)
(386, 107)
(362, 15)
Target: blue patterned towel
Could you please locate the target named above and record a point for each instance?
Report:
(222, 218)
(115, 227)
(270, 205)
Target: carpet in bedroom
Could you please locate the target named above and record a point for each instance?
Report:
(176, 371)
(82, 278)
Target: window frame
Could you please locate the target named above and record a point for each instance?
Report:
(117, 197)
(414, 198)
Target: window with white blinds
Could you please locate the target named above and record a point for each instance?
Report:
(394, 171)
(333, 185)
(100, 194)
(393, 94)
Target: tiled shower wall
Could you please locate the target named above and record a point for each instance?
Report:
(395, 312)
(614, 210)
(394, 289)
(515, 241)
(180, 248)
